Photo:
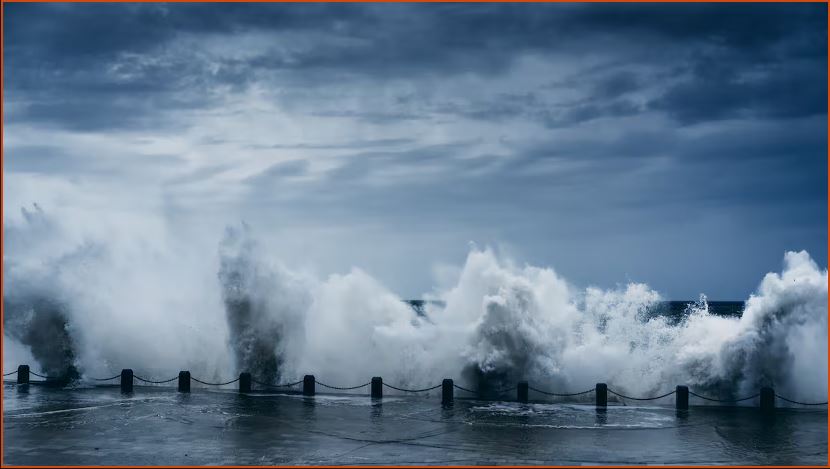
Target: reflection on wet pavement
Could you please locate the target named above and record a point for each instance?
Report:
(156, 425)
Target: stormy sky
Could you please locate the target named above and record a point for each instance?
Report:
(681, 145)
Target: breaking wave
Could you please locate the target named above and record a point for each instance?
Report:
(100, 306)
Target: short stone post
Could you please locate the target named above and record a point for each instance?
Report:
(767, 399)
(23, 374)
(602, 395)
(446, 392)
(184, 381)
(308, 385)
(681, 398)
(377, 387)
(522, 391)
(126, 380)
(244, 382)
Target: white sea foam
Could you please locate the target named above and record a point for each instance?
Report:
(98, 306)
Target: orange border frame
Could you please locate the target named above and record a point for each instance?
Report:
(2, 175)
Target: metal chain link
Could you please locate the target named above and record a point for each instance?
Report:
(463, 389)
(799, 403)
(214, 384)
(106, 379)
(154, 382)
(642, 398)
(343, 389)
(561, 394)
(723, 400)
(412, 390)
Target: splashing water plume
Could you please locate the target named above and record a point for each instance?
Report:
(98, 306)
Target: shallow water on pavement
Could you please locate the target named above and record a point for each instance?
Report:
(156, 425)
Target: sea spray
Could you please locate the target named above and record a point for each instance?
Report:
(780, 340)
(264, 305)
(151, 308)
(147, 303)
(355, 329)
(531, 323)
(38, 293)
(40, 323)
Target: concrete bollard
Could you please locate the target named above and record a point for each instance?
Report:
(184, 381)
(377, 387)
(308, 385)
(23, 374)
(446, 392)
(244, 382)
(767, 399)
(522, 391)
(602, 395)
(126, 380)
(681, 398)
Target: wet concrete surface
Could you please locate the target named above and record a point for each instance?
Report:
(156, 425)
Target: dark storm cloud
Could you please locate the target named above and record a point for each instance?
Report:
(545, 124)
(71, 33)
(91, 30)
(507, 106)
(615, 85)
(61, 57)
(589, 110)
(713, 91)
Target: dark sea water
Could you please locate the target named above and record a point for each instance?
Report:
(156, 425)
(675, 310)
(720, 308)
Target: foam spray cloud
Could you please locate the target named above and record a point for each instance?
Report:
(97, 303)
(264, 305)
(499, 323)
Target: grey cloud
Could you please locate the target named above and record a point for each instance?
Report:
(498, 107)
(47, 159)
(716, 92)
(655, 118)
(280, 170)
(532, 107)
(199, 175)
(383, 142)
(69, 52)
(377, 117)
(584, 112)
(616, 84)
